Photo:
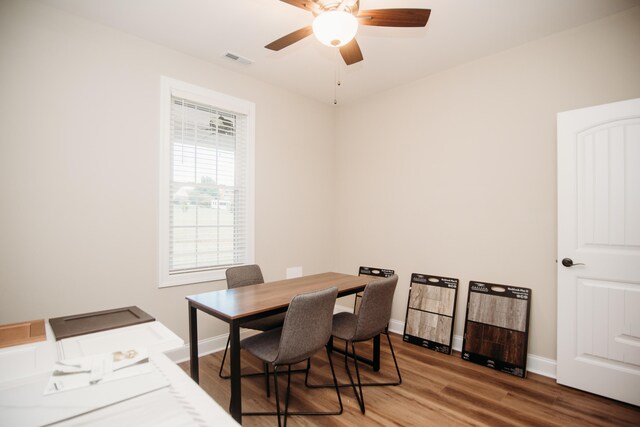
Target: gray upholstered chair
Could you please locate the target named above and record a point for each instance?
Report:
(245, 275)
(306, 330)
(372, 319)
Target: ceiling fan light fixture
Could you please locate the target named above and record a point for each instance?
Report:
(335, 28)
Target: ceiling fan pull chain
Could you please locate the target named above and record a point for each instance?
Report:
(335, 87)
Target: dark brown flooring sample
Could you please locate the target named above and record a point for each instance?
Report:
(495, 343)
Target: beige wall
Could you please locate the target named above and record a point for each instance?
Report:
(455, 174)
(79, 115)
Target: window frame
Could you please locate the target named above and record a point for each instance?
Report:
(172, 87)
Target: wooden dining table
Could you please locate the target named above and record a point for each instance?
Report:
(239, 305)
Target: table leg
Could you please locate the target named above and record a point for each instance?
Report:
(376, 353)
(235, 406)
(193, 343)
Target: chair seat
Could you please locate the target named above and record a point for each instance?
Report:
(266, 323)
(264, 346)
(344, 325)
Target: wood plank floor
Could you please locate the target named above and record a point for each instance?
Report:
(437, 390)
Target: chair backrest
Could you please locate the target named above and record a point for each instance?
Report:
(375, 309)
(369, 271)
(244, 275)
(307, 326)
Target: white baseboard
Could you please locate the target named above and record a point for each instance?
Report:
(205, 346)
(342, 308)
(541, 365)
(396, 326)
(536, 364)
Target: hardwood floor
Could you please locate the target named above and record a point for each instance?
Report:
(437, 390)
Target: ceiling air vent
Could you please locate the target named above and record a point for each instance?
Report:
(238, 58)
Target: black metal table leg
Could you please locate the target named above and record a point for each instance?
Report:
(376, 353)
(235, 406)
(193, 344)
(374, 362)
(330, 344)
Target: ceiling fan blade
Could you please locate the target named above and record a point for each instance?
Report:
(302, 4)
(351, 52)
(394, 17)
(290, 39)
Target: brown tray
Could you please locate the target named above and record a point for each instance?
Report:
(81, 324)
(22, 333)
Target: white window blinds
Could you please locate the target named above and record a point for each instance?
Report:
(208, 227)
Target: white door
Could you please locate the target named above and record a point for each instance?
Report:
(599, 232)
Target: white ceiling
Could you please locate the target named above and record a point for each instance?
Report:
(458, 31)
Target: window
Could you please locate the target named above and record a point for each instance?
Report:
(206, 187)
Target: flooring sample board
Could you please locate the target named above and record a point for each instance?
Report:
(430, 312)
(370, 271)
(81, 324)
(496, 330)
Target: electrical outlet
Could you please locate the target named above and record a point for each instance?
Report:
(294, 272)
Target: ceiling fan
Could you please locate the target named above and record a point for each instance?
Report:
(336, 23)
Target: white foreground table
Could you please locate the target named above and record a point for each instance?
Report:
(164, 397)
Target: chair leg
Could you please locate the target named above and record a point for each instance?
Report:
(265, 370)
(357, 390)
(306, 374)
(286, 400)
(288, 393)
(374, 384)
(275, 385)
(393, 354)
(355, 361)
(335, 380)
(334, 385)
(351, 382)
(265, 367)
(224, 357)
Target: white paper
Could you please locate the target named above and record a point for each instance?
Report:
(70, 374)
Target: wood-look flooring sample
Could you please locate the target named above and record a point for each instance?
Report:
(500, 311)
(430, 312)
(495, 343)
(496, 328)
(429, 326)
(432, 298)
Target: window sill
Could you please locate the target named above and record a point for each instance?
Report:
(170, 280)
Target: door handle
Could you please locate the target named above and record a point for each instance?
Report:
(568, 262)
